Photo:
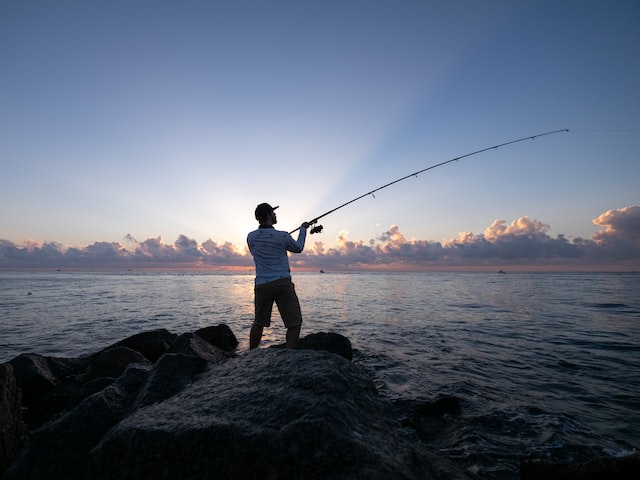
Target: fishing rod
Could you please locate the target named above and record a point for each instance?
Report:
(318, 228)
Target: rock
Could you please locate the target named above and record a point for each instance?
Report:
(219, 336)
(442, 406)
(151, 344)
(61, 448)
(193, 344)
(45, 383)
(50, 385)
(609, 468)
(12, 428)
(88, 387)
(281, 414)
(329, 342)
(201, 412)
(33, 376)
(427, 418)
(112, 362)
(169, 375)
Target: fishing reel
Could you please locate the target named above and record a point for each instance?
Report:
(316, 229)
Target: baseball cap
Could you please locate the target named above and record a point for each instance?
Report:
(263, 209)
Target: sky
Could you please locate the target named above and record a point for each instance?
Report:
(144, 133)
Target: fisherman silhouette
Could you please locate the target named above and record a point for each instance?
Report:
(273, 283)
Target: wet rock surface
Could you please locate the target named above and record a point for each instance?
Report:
(12, 428)
(160, 405)
(269, 414)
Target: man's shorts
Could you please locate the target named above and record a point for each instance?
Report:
(282, 292)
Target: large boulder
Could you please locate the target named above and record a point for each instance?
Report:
(219, 336)
(113, 361)
(195, 345)
(151, 344)
(46, 384)
(426, 418)
(281, 414)
(12, 428)
(171, 373)
(329, 342)
(33, 376)
(60, 449)
(201, 412)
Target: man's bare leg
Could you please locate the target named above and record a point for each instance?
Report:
(293, 334)
(255, 336)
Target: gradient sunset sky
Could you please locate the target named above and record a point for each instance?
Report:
(149, 131)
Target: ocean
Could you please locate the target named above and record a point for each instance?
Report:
(546, 365)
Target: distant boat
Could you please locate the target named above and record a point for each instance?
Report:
(321, 271)
(501, 271)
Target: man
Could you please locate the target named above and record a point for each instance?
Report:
(273, 283)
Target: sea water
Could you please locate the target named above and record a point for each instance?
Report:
(545, 365)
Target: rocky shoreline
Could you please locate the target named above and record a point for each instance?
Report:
(160, 405)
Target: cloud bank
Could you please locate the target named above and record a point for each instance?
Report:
(522, 244)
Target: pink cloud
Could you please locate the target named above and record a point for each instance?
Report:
(521, 227)
(524, 242)
(621, 225)
(620, 234)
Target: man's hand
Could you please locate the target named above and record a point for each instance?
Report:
(305, 225)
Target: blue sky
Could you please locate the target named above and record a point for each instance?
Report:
(169, 121)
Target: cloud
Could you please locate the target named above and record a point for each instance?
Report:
(523, 243)
(44, 254)
(521, 227)
(524, 239)
(620, 234)
(151, 253)
(130, 238)
(186, 252)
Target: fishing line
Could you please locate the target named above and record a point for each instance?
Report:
(318, 228)
(601, 131)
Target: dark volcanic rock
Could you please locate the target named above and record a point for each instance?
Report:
(281, 414)
(219, 336)
(427, 418)
(199, 412)
(329, 342)
(60, 448)
(113, 361)
(12, 428)
(442, 406)
(33, 376)
(169, 375)
(46, 384)
(192, 344)
(151, 344)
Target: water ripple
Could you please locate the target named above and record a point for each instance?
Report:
(545, 365)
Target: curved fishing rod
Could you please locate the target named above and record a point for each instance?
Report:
(318, 228)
